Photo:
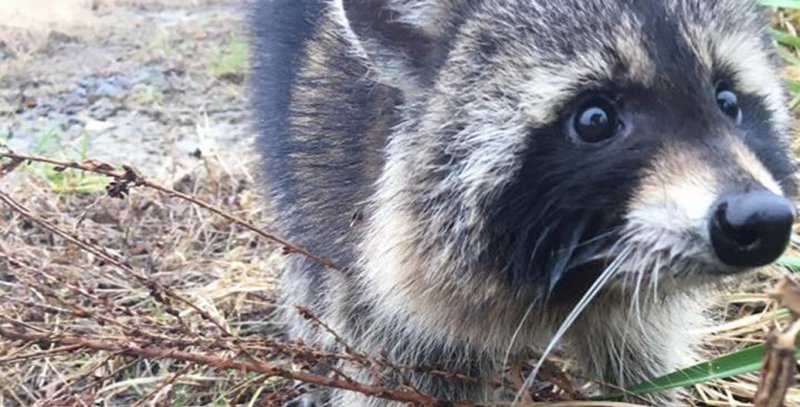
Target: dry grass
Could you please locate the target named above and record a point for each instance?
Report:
(156, 299)
(192, 282)
(746, 315)
(223, 269)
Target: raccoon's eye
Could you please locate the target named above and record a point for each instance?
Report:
(728, 102)
(595, 120)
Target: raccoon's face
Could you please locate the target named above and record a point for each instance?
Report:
(551, 141)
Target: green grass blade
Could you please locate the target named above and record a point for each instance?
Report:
(790, 262)
(793, 87)
(781, 3)
(736, 363)
(785, 38)
(788, 56)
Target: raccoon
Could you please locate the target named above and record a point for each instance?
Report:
(506, 175)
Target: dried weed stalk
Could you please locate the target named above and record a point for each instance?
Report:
(181, 342)
(130, 334)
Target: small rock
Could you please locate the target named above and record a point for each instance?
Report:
(106, 89)
(103, 109)
(6, 52)
(58, 37)
(97, 126)
(232, 77)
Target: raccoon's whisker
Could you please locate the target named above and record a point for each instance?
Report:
(593, 249)
(516, 334)
(566, 253)
(640, 260)
(621, 244)
(635, 308)
(604, 277)
(599, 237)
(655, 277)
(618, 350)
(567, 261)
(537, 245)
(636, 301)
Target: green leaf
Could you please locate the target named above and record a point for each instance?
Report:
(781, 3)
(736, 363)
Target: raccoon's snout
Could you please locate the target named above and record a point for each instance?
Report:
(751, 229)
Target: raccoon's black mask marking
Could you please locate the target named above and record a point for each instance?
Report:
(569, 201)
(443, 122)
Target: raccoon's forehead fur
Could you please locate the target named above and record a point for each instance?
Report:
(481, 178)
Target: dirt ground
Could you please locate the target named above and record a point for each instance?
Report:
(127, 82)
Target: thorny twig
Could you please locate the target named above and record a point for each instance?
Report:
(108, 376)
(123, 181)
(149, 348)
(307, 314)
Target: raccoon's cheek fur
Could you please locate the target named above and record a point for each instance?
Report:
(713, 209)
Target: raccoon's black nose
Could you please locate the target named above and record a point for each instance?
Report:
(751, 229)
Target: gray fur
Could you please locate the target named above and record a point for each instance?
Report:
(389, 153)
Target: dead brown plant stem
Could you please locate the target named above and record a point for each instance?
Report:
(256, 366)
(100, 252)
(123, 176)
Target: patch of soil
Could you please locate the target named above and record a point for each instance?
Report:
(140, 86)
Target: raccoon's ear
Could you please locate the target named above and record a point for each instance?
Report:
(403, 39)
